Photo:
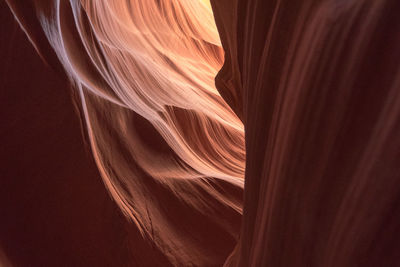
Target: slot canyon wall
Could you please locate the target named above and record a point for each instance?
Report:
(189, 133)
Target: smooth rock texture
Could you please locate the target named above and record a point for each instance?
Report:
(290, 159)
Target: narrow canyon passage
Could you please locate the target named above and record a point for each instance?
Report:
(196, 133)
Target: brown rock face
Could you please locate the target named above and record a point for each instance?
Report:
(319, 90)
